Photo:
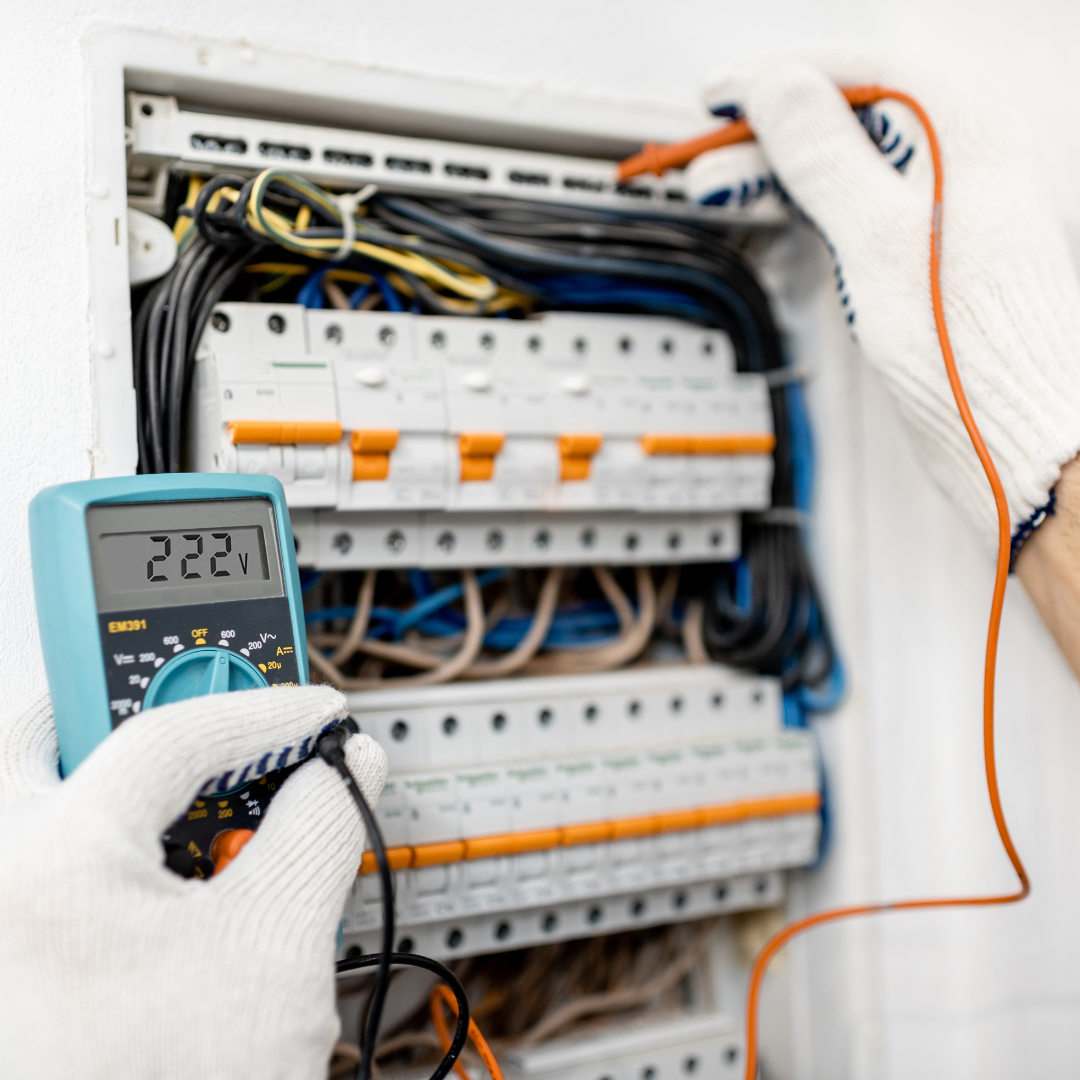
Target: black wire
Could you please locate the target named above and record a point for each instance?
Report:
(461, 1032)
(331, 748)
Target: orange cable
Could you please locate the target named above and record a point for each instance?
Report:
(440, 995)
(868, 95)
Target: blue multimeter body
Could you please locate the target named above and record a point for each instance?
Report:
(151, 589)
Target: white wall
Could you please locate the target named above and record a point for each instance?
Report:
(989, 994)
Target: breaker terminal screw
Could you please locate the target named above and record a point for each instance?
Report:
(220, 322)
(342, 543)
(276, 324)
(395, 541)
(335, 334)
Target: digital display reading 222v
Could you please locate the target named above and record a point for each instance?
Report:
(144, 559)
(177, 553)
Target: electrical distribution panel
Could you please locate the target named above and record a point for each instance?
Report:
(518, 811)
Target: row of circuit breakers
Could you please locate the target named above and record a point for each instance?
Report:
(533, 810)
(432, 420)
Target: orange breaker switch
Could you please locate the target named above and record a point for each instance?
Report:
(282, 432)
(227, 845)
(478, 450)
(752, 442)
(371, 448)
(576, 451)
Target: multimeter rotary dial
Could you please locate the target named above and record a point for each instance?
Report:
(199, 672)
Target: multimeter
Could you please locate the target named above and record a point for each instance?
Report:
(154, 589)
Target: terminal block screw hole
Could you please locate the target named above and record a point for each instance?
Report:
(731, 1055)
(335, 334)
(595, 915)
(674, 541)
(675, 704)
(637, 908)
(342, 543)
(502, 931)
(581, 345)
(679, 900)
(387, 336)
(707, 348)
(399, 730)
(454, 939)
(438, 340)
(545, 716)
(588, 537)
(449, 725)
(631, 541)
(551, 921)
(534, 343)
(591, 713)
(498, 721)
(721, 892)
(634, 707)
(757, 697)
(354, 952)
(146, 109)
(406, 944)
(276, 324)
(761, 886)
(542, 540)
(219, 320)
(667, 346)
(487, 342)
(716, 538)
(626, 344)
(690, 1065)
(446, 542)
(717, 701)
(395, 541)
(648, 1073)
(494, 540)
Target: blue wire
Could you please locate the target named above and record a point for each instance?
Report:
(390, 297)
(420, 583)
(357, 296)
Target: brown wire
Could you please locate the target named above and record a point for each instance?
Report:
(530, 644)
(445, 669)
(635, 636)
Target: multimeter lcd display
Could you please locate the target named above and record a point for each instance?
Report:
(143, 560)
(169, 554)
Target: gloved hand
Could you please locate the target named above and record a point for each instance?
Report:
(113, 966)
(1010, 291)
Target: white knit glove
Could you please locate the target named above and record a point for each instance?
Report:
(1010, 291)
(112, 965)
